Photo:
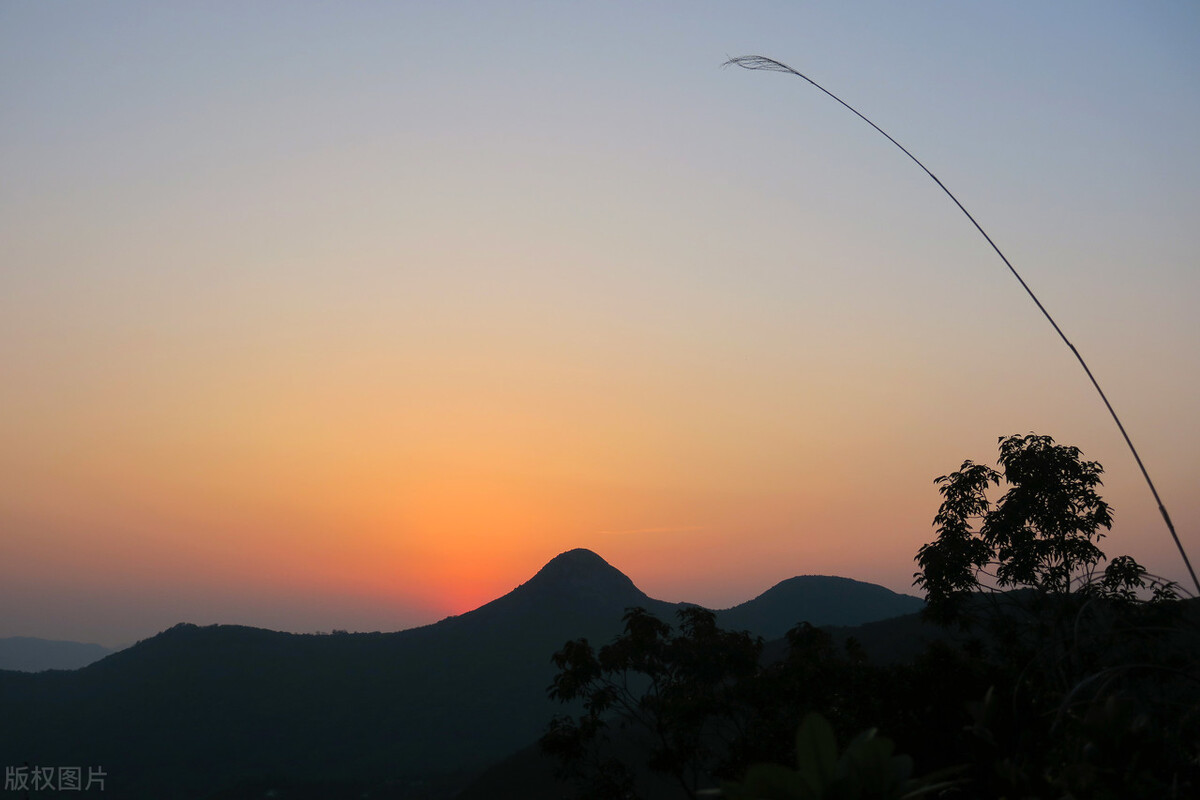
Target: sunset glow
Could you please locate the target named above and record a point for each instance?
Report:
(321, 317)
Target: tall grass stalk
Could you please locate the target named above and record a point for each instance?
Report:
(771, 65)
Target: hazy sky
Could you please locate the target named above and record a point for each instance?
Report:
(353, 315)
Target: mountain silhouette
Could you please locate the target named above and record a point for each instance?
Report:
(572, 584)
(30, 654)
(580, 576)
(819, 600)
(194, 709)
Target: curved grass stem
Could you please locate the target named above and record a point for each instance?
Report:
(771, 65)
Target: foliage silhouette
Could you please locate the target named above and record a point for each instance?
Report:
(676, 691)
(1080, 659)
(1040, 535)
(1056, 672)
(868, 769)
(703, 704)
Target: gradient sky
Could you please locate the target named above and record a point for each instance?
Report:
(353, 315)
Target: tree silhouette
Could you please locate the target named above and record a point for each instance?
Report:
(1072, 686)
(1041, 535)
(674, 692)
(1093, 690)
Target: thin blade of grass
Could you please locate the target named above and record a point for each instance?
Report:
(756, 62)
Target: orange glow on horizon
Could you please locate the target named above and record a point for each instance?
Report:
(280, 336)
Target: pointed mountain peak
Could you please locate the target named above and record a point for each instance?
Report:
(578, 560)
(577, 579)
(581, 572)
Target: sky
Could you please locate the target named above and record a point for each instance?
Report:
(354, 315)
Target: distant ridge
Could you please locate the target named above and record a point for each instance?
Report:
(817, 599)
(31, 654)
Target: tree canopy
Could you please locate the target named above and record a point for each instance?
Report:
(1041, 534)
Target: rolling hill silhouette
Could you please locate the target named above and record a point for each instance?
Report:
(819, 599)
(30, 654)
(196, 709)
